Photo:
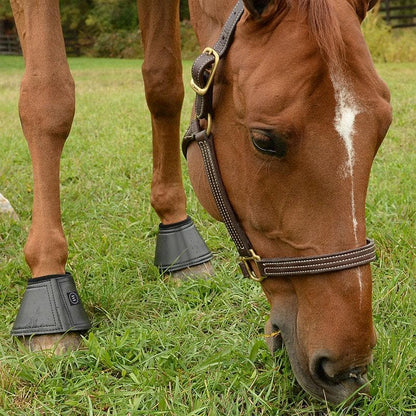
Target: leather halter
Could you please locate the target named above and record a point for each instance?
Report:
(252, 265)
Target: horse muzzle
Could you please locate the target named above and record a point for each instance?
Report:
(335, 385)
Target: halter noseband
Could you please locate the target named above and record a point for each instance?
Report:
(252, 265)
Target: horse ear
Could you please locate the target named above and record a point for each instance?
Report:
(256, 7)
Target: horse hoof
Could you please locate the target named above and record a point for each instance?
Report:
(181, 251)
(201, 271)
(273, 337)
(59, 344)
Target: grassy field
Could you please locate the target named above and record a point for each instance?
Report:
(196, 349)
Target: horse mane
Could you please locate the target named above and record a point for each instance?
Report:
(325, 28)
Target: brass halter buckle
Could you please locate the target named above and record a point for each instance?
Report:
(202, 91)
(249, 268)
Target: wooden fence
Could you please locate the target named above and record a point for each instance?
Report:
(10, 45)
(399, 13)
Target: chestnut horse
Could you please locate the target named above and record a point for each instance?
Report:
(296, 115)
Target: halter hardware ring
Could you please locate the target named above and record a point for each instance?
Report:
(250, 271)
(202, 91)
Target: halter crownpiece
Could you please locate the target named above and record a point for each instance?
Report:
(252, 265)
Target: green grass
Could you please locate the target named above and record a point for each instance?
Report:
(197, 349)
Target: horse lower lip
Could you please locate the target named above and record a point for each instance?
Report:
(346, 385)
(358, 380)
(323, 381)
(341, 390)
(359, 376)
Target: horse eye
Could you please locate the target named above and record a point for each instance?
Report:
(268, 142)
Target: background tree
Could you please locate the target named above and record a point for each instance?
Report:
(112, 15)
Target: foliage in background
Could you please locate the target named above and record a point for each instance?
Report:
(109, 28)
(111, 16)
(184, 10)
(102, 27)
(386, 44)
(73, 14)
(5, 9)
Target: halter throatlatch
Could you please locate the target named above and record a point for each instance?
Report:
(252, 265)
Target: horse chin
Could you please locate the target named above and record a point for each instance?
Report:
(312, 372)
(335, 391)
(340, 389)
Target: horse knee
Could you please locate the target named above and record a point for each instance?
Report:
(164, 90)
(47, 105)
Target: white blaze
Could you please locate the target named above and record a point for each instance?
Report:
(345, 113)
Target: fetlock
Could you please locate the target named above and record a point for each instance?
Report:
(46, 254)
(169, 202)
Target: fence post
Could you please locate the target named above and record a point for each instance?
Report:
(388, 20)
(9, 45)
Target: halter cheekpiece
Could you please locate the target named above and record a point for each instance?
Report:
(252, 265)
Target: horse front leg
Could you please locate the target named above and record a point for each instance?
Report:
(51, 305)
(179, 250)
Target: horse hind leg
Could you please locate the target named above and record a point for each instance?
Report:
(180, 250)
(46, 109)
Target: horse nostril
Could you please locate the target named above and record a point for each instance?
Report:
(326, 371)
(320, 370)
(336, 379)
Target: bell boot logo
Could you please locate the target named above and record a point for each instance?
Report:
(73, 298)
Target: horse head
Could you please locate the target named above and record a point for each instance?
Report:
(298, 115)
